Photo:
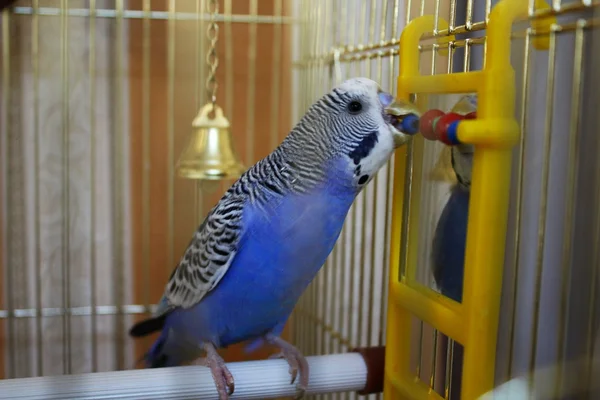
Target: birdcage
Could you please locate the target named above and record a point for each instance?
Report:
(95, 215)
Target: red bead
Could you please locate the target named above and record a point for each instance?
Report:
(441, 127)
(427, 121)
(471, 115)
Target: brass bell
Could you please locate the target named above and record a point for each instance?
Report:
(209, 154)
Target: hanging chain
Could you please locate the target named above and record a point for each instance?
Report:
(211, 57)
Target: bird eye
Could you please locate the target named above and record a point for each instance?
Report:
(354, 107)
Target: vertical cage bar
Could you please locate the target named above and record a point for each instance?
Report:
(572, 170)
(433, 371)
(197, 30)
(331, 287)
(66, 267)
(93, 269)
(304, 42)
(343, 242)
(229, 82)
(35, 31)
(452, 22)
(451, 51)
(304, 17)
(386, 227)
(406, 204)
(342, 274)
(197, 23)
(315, 297)
(227, 12)
(352, 279)
(360, 34)
(449, 368)
(343, 33)
(488, 9)
(252, 32)
(375, 185)
(363, 198)
(6, 112)
(519, 199)
(373, 14)
(531, 8)
(171, 138)
(436, 14)
(320, 301)
(434, 53)
(408, 11)
(384, 10)
(543, 202)
(200, 71)
(467, 60)
(469, 19)
(556, 4)
(396, 13)
(353, 262)
(324, 302)
(147, 161)
(299, 311)
(119, 271)
(276, 73)
(354, 267)
(335, 267)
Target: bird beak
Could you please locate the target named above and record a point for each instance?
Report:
(403, 117)
(399, 137)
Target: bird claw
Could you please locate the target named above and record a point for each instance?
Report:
(220, 373)
(292, 362)
(297, 363)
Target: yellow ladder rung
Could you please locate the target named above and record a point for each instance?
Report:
(414, 389)
(459, 82)
(437, 310)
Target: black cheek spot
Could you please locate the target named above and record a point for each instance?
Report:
(363, 179)
(364, 147)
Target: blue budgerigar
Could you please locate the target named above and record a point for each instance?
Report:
(448, 247)
(265, 240)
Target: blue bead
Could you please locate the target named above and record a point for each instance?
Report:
(452, 133)
(410, 124)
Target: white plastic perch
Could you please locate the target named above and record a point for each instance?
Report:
(253, 380)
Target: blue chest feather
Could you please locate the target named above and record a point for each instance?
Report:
(281, 251)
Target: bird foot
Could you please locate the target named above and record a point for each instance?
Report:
(221, 375)
(296, 361)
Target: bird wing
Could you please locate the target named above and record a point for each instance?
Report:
(207, 257)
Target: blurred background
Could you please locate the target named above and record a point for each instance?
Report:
(97, 108)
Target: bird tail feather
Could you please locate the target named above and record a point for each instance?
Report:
(155, 357)
(148, 326)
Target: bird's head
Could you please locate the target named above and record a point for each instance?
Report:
(360, 129)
